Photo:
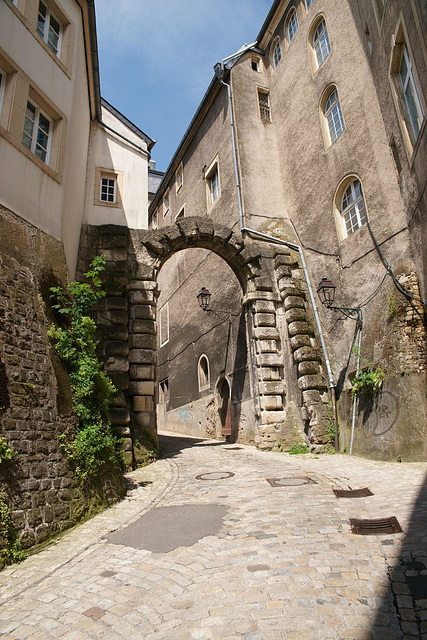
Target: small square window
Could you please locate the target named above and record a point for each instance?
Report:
(108, 190)
(255, 64)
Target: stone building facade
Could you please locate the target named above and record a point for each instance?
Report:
(313, 135)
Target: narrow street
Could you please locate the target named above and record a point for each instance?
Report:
(205, 547)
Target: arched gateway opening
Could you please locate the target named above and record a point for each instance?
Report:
(288, 388)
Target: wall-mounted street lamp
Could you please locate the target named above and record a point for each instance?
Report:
(204, 298)
(326, 293)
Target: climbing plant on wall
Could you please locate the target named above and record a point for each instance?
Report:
(94, 446)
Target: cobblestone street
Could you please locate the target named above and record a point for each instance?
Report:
(283, 563)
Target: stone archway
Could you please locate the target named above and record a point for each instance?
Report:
(270, 280)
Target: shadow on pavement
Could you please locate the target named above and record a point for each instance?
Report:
(171, 445)
(407, 567)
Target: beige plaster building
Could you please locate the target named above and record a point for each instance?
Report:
(314, 135)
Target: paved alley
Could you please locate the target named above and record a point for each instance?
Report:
(265, 551)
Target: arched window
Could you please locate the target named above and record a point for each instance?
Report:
(203, 373)
(277, 53)
(320, 43)
(333, 115)
(291, 26)
(308, 4)
(352, 207)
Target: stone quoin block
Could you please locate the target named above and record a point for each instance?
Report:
(142, 356)
(294, 315)
(269, 360)
(119, 317)
(267, 306)
(265, 319)
(112, 303)
(269, 373)
(143, 341)
(141, 387)
(117, 364)
(143, 326)
(272, 417)
(308, 367)
(143, 403)
(142, 296)
(306, 353)
(117, 348)
(299, 327)
(266, 333)
(119, 416)
(268, 346)
(141, 372)
(273, 388)
(294, 302)
(143, 311)
(271, 403)
(311, 382)
(300, 340)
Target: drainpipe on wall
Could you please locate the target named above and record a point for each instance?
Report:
(219, 70)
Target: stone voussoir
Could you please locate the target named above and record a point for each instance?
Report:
(295, 314)
(298, 327)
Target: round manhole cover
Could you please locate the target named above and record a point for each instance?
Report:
(289, 482)
(215, 475)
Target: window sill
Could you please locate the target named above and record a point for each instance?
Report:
(56, 175)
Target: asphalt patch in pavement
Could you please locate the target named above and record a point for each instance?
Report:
(166, 528)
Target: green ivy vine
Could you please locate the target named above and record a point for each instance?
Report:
(9, 547)
(94, 446)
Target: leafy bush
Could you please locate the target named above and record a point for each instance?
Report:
(7, 454)
(10, 551)
(369, 380)
(94, 445)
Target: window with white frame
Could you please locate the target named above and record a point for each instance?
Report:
(108, 189)
(292, 26)
(166, 203)
(352, 208)
(181, 213)
(320, 43)
(255, 64)
(414, 109)
(264, 105)
(179, 177)
(2, 87)
(49, 28)
(164, 324)
(333, 115)
(37, 132)
(213, 183)
(277, 54)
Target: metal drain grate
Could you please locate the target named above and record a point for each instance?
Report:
(375, 527)
(215, 475)
(353, 493)
(290, 482)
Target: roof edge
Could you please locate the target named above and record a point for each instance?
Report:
(136, 130)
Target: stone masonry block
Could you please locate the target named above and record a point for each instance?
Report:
(311, 382)
(264, 306)
(294, 315)
(263, 283)
(283, 272)
(141, 372)
(141, 388)
(142, 356)
(143, 403)
(306, 353)
(299, 327)
(272, 417)
(250, 253)
(308, 367)
(272, 388)
(222, 233)
(269, 373)
(311, 397)
(115, 254)
(119, 416)
(119, 380)
(205, 227)
(269, 360)
(294, 302)
(300, 340)
(116, 364)
(267, 346)
(265, 319)
(143, 326)
(142, 284)
(271, 403)
(141, 296)
(266, 333)
(119, 317)
(143, 311)
(143, 341)
(117, 348)
(145, 419)
(114, 303)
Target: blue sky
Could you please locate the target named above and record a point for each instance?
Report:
(157, 58)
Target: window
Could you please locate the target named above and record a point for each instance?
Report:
(333, 115)
(164, 324)
(49, 28)
(264, 105)
(277, 54)
(320, 43)
(203, 373)
(164, 391)
(352, 207)
(404, 83)
(154, 220)
(213, 181)
(2, 88)
(37, 132)
(166, 203)
(108, 190)
(292, 26)
(180, 213)
(414, 109)
(179, 177)
(255, 64)
(308, 4)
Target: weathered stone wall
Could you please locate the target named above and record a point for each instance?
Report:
(40, 487)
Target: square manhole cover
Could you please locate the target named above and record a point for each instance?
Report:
(353, 493)
(379, 526)
(290, 482)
